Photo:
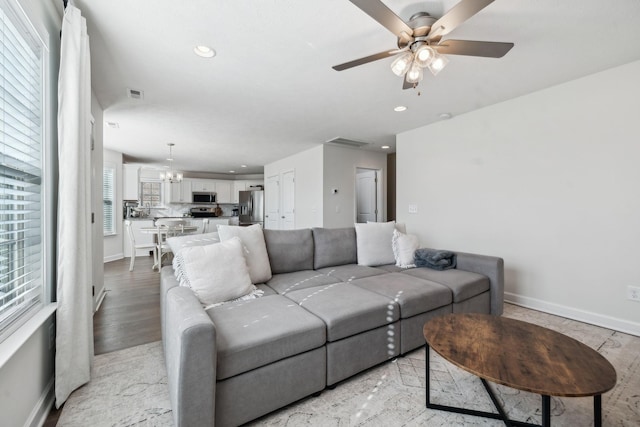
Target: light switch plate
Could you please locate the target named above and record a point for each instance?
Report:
(413, 209)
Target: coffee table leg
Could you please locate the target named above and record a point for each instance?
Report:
(546, 411)
(427, 371)
(597, 410)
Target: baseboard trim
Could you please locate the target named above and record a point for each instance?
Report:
(41, 411)
(113, 257)
(597, 319)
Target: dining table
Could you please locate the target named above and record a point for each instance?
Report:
(162, 232)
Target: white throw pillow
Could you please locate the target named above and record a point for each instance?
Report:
(255, 249)
(176, 243)
(404, 247)
(215, 273)
(373, 241)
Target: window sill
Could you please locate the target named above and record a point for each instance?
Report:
(12, 344)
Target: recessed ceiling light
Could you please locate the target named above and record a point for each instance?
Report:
(385, 147)
(445, 116)
(400, 108)
(243, 166)
(204, 51)
(232, 171)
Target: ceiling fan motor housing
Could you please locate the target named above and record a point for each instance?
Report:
(421, 23)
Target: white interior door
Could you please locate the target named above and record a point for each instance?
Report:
(366, 195)
(272, 203)
(288, 201)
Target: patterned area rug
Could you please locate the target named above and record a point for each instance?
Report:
(129, 388)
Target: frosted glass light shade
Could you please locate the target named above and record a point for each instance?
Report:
(402, 63)
(438, 63)
(424, 55)
(414, 75)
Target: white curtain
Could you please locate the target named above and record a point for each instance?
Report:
(74, 321)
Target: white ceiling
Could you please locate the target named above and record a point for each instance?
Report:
(271, 92)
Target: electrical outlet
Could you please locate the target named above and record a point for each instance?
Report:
(633, 293)
(413, 209)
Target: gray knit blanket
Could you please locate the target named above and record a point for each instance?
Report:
(435, 259)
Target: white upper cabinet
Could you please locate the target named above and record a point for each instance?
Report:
(238, 186)
(130, 182)
(178, 192)
(224, 190)
(203, 185)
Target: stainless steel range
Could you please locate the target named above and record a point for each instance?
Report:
(202, 212)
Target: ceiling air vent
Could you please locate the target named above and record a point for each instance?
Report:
(347, 142)
(135, 93)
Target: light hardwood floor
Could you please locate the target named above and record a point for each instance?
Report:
(130, 312)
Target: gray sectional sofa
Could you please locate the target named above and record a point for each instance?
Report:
(322, 319)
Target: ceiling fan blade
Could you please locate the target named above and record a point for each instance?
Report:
(474, 48)
(385, 17)
(366, 59)
(456, 16)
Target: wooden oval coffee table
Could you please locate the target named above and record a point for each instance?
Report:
(520, 355)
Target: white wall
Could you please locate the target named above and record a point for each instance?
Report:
(548, 181)
(26, 379)
(113, 245)
(97, 269)
(340, 173)
(308, 183)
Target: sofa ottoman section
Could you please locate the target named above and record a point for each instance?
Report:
(416, 297)
(254, 333)
(464, 285)
(284, 283)
(255, 393)
(362, 328)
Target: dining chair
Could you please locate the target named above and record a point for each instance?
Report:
(134, 246)
(167, 227)
(205, 225)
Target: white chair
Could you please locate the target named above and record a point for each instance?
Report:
(167, 227)
(132, 240)
(205, 225)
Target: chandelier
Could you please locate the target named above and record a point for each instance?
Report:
(420, 56)
(171, 175)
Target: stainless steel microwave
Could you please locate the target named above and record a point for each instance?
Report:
(203, 197)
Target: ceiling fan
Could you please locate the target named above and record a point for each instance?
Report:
(420, 43)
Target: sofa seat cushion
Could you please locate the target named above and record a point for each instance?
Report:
(287, 282)
(412, 294)
(346, 309)
(254, 333)
(350, 272)
(463, 284)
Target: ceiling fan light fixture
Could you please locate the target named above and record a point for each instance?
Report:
(424, 55)
(402, 64)
(438, 63)
(414, 75)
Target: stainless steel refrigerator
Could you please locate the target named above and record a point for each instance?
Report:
(251, 207)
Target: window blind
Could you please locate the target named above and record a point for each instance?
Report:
(108, 201)
(21, 147)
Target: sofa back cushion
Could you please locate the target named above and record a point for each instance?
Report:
(289, 250)
(334, 246)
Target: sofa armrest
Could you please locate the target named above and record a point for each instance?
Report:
(190, 357)
(490, 266)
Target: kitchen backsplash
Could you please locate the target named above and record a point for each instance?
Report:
(176, 210)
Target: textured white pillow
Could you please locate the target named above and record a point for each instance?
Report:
(255, 249)
(404, 247)
(373, 241)
(176, 243)
(215, 273)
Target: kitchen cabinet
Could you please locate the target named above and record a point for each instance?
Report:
(224, 189)
(238, 186)
(140, 237)
(203, 185)
(178, 192)
(130, 182)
